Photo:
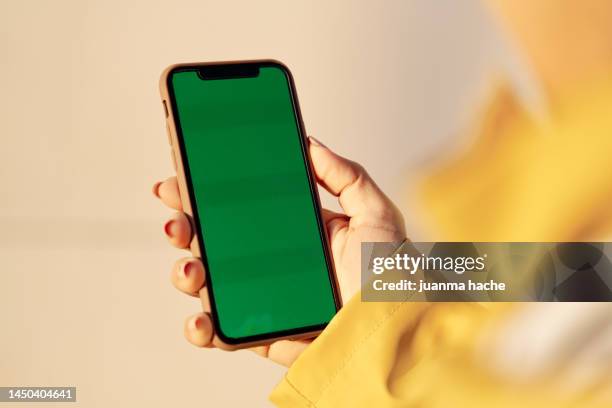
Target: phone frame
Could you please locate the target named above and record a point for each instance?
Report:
(187, 198)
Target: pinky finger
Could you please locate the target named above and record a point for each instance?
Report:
(198, 330)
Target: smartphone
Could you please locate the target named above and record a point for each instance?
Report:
(246, 181)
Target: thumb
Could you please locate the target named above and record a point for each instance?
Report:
(357, 193)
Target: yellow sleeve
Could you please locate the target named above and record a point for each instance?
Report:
(414, 354)
(350, 363)
(406, 354)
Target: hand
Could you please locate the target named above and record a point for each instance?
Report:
(369, 216)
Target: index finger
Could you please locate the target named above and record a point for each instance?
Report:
(357, 193)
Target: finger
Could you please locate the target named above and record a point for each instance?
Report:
(178, 230)
(337, 226)
(359, 196)
(168, 192)
(188, 276)
(335, 222)
(329, 215)
(198, 330)
(285, 352)
(261, 351)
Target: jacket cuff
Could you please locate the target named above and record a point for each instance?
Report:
(333, 361)
(329, 360)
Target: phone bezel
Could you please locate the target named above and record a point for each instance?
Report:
(264, 338)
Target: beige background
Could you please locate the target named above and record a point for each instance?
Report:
(85, 298)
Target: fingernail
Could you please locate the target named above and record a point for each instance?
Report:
(187, 269)
(316, 142)
(195, 323)
(168, 227)
(156, 189)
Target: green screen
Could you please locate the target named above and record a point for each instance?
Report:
(262, 244)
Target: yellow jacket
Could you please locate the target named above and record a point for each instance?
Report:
(548, 179)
